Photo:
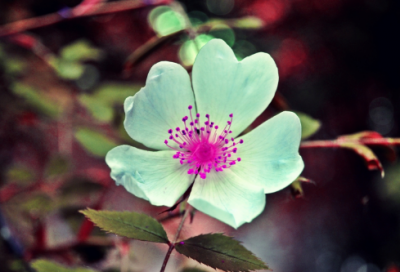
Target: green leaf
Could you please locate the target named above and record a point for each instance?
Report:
(366, 153)
(309, 125)
(220, 251)
(249, 22)
(50, 266)
(129, 224)
(38, 203)
(80, 50)
(66, 69)
(20, 175)
(57, 165)
(100, 111)
(100, 104)
(36, 99)
(166, 21)
(94, 142)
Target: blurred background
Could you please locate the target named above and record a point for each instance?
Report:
(65, 73)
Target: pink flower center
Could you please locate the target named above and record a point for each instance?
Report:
(204, 147)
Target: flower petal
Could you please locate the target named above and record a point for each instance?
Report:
(154, 176)
(159, 106)
(270, 153)
(223, 85)
(227, 197)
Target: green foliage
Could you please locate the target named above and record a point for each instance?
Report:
(249, 22)
(20, 175)
(309, 125)
(67, 69)
(190, 48)
(166, 21)
(80, 50)
(70, 63)
(38, 203)
(95, 143)
(57, 165)
(100, 104)
(36, 99)
(50, 266)
(129, 224)
(220, 251)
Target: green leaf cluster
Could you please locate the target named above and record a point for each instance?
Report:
(49, 266)
(37, 99)
(70, 64)
(215, 250)
(220, 251)
(101, 102)
(94, 142)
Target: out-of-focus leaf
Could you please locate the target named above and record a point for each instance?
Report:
(66, 69)
(249, 22)
(100, 103)
(220, 251)
(79, 191)
(38, 203)
(113, 93)
(50, 266)
(36, 99)
(366, 153)
(14, 66)
(224, 32)
(391, 184)
(20, 175)
(166, 21)
(80, 50)
(100, 111)
(94, 142)
(190, 48)
(309, 125)
(57, 165)
(129, 224)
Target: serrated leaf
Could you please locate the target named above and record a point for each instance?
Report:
(80, 51)
(129, 224)
(367, 154)
(220, 251)
(36, 99)
(94, 142)
(309, 125)
(50, 266)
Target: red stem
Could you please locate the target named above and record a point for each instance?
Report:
(172, 245)
(49, 19)
(337, 143)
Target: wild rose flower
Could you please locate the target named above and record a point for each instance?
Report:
(196, 133)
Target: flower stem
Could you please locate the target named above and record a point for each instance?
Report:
(172, 245)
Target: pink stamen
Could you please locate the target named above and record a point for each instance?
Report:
(203, 148)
